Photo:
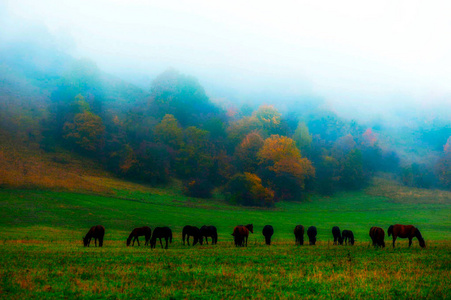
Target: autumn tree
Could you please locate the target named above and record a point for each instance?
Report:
(247, 189)
(269, 119)
(282, 159)
(246, 152)
(86, 129)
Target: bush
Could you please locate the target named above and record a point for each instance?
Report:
(247, 189)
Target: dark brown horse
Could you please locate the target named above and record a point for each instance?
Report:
(191, 231)
(241, 234)
(96, 232)
(267, 232)
(299, 234)
(206, 231)
(348, 235)
(311, 233)
(405, 231)
(377, 235)
(140, 231)
(161, 233)
(337, 235)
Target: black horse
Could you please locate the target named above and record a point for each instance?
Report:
(268, 231)
(299, 234)
(311, 233)
(191, 231)
(96, 232)
(161, 233)
(337, 235)
(377, 235)
(140, 231)
(348, 235)
(209, 231)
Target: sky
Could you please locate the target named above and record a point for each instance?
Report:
(363, 58)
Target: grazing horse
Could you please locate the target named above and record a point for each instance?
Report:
(191, 231)
(241, 233)
(405, 231)
(311, 232)
(377, 235)
(337, 235)
(348, 235)
(299, 234)
(140, 231)
(96, 232)
(268, 231)
(206, 231)
(159, 233)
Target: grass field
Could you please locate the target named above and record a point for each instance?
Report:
(42, 256)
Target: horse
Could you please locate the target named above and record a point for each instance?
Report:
(159, 233)
(96, 232)
(241, 234)
(311, 232)
(191, 231)
(267, 232)
(206, 231)
(140, 231)
(377, 235)
(337, 235)
(406, 231)
(348, 235)
(299, 234)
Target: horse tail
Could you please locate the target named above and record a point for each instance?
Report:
(390, 230)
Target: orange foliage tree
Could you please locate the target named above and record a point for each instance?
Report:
(246, 152)
(287, 169)
(247, 189)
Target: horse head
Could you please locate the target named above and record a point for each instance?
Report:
(420, 238)
(250, 227)
(390, 230)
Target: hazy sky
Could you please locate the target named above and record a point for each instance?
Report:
(358, 55)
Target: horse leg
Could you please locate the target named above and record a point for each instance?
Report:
(183, 239)
(410, 242)
(137, 239)
(394, 239)
(206, 240)
(95, 242)
(187, 239)
(161, 243)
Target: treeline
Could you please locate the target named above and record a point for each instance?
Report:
(255, 156)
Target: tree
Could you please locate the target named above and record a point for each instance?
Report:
(303, 138)
(351, 174)
(281, 158)
(182, 96)
(86, 131)
(269, 118)
(247, 189)
(246, 152)
(169, 132)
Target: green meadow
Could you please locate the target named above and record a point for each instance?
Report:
(42, 255)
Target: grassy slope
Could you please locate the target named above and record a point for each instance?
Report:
(42, 256)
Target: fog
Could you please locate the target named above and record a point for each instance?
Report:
(365, 60)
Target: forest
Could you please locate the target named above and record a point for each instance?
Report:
(255, 155)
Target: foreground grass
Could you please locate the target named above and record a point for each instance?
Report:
(283, 270)
(41, 255)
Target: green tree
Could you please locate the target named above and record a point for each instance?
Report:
(303, 138)
(169, 132)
